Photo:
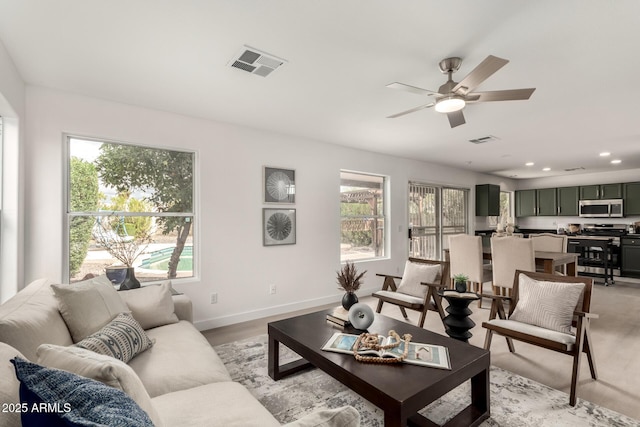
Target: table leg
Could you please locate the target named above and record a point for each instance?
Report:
(548, 266)
(571, 269)
(277, 371)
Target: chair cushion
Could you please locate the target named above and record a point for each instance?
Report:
(566, 339)
(151, 305)
(414, 273)
(123, 338)
(399, 297)
(89, 305)
(78, 401)
(99, 367)
(546, 304)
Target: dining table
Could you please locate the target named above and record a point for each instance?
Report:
(548, 260)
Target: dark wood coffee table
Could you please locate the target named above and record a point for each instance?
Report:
(400, 390)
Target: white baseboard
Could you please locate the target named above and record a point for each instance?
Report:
(232, 319)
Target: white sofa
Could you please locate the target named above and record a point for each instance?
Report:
(179, 381)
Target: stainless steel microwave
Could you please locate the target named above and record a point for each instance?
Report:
(601, 208)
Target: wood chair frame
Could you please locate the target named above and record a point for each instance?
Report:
(582, 319)
(432, 300)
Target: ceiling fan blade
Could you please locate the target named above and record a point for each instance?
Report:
(501, 95)
(483, 71)
(456, 118)
(422, 107)
(412, 89)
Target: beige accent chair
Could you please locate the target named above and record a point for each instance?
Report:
(509, 254)
(549, 242)
(418, 290)
(533, 324)
(465, 257)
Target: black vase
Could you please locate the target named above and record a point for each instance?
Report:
(348, 300)
(461, 286)
(130, 281)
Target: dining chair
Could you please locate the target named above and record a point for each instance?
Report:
(549, 242)
(465, 257)
(509, 254)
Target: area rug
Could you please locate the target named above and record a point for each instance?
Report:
(515, 400)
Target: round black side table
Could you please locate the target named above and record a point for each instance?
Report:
(457, 322)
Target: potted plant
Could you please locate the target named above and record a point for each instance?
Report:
(111, 233)
(460, 281)
(349, 281)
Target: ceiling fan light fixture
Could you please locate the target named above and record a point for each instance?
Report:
(450, 104)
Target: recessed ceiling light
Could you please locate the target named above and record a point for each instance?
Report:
(529, 164)
(546, 169)
(605, 154)
(616, 161)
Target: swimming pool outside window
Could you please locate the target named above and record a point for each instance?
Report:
(133, 199)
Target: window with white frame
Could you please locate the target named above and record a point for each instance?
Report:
(362, 215)
(129, 205)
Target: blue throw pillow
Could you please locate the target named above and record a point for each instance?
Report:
(60, 398)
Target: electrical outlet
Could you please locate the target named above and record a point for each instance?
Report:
(214, 298)
(272, 289)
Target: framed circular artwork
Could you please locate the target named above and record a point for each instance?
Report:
(278, 226)
(279, 185)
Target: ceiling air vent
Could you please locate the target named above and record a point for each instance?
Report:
(484, 139)
(580, 168)
(255, 61)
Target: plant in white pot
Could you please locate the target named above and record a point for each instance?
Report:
(111, 233)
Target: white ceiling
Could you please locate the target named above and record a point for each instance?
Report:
(583, 56)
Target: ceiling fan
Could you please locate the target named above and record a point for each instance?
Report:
(452, 96)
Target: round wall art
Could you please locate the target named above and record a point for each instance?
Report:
(279, 226)
(279, 185)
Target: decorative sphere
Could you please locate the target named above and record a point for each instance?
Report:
(361, 316)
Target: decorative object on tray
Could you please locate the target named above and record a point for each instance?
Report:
(361, 316)
(278, 227)
(349, 281)
(111, 232)
(389, 349)
(279, 185)
(339, 317)
(460, 281)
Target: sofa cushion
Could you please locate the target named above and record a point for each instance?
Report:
(9, 386)
(218, 404)
(78, 401)
(99, 367)
(89, 305)
(31, 318)
(122, 338)
(152, 305)
(181, 358)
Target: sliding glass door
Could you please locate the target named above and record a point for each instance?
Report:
(435, 212)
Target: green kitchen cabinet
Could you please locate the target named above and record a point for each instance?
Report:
(568, 201)
(487, 200)
(547, 201)
(600, 192)
(526, 203)
(631, 198)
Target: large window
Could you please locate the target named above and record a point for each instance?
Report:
(129, 205)
(362, 212)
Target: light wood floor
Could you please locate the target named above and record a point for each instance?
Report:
(616, 336)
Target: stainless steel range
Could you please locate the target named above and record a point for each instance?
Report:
(598, 249)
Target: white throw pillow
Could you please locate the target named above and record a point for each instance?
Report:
(152, 305)
(549, 305)
(89, 305)
(414, 273)
(105, 369)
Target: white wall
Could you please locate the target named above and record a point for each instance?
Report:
(12, 99)
(551, 222)
(230, 158)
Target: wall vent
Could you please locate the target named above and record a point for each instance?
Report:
(579, 168)
(255, 61)
(484, 139)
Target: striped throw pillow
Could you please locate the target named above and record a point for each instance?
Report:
(122, 338)
(549, 305)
